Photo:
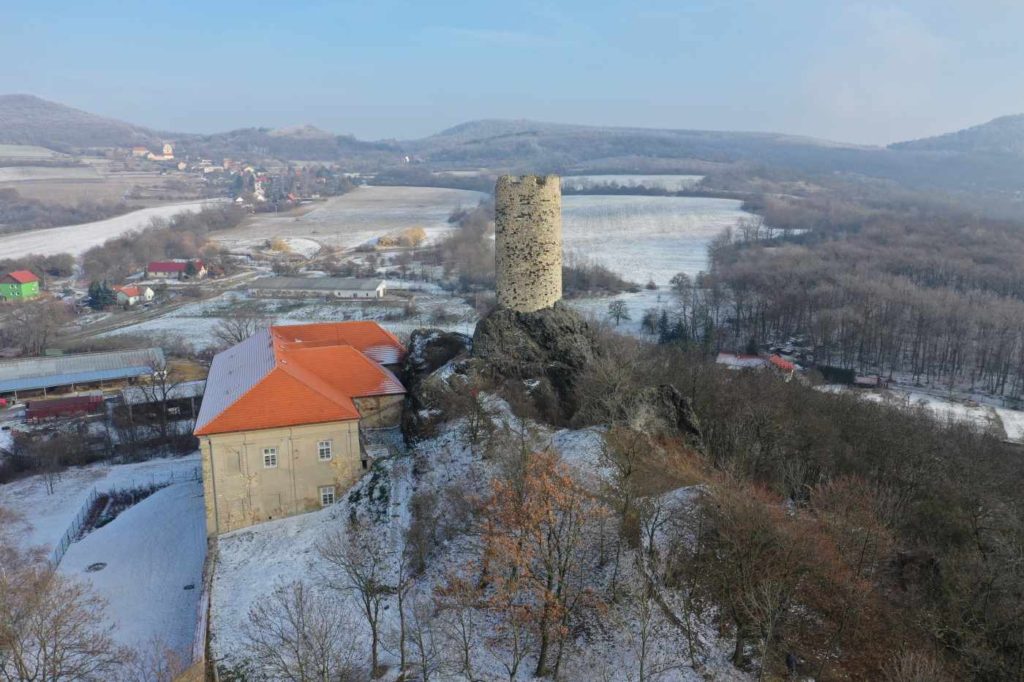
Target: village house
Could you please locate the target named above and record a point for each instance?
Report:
(176, 269)
(284, 417)
(130, 295)
(19, 285)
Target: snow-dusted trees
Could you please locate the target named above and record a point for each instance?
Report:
(301, 634)
(538, 527)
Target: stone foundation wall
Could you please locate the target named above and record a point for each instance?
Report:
(528, 241)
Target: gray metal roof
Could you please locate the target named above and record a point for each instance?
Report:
(318, 283)
(26, 374)
(137, 395)
(235, 371)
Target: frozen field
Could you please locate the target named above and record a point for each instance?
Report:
(671, 183)
(645, 237)
(76, 239)
(359, 216)
(26, 151)
(24, 173)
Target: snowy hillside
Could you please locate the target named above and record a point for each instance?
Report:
(440, 479)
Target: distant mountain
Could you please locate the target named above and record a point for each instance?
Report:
(304, 143)
(302, 132)
(27, 119)
(980, 161)
(1004, 135)
(558, 145)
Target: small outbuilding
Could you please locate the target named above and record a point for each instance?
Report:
(19, 285)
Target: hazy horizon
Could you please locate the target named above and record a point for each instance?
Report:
(864, 72)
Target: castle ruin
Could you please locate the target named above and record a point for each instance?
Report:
(528, 241)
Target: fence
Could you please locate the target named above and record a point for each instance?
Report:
(154, 480)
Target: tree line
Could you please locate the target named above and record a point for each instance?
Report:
(936, 296)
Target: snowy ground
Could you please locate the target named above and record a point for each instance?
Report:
(358, 217)
(642, 237)
(1013, 423)
(50, 514)
(152, 581)
(151, 551)
(196, 322)
(449, 470)
(76, 239)
(944, 409)
(24, 173)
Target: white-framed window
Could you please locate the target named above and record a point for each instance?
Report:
(326, 495)
(269, 458)
(325, 450)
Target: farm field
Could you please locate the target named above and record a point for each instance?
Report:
(76, 239)
(645, 238)
(17, 174)
(26, 152)
(357, 217)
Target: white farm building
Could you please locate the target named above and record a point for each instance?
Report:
(328, 287)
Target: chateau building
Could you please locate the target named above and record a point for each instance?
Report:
(282, 417)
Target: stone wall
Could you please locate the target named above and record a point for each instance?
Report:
(528, 241)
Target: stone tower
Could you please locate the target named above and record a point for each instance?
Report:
(528, 241)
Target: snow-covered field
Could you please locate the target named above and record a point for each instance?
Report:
(26, 151)
(76, 239)
(358, 217)
(943, 408)
(644, 238)
(1013, 423)
(152, 581)
(671, 183)
(196, 322)
(24, 173)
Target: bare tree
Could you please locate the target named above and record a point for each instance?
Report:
(301, 635)
(237, 327)
(360, 563)
(52, 628)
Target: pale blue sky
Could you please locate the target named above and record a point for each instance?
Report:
(870, 72)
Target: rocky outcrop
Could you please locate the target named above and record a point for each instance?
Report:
(667, 412)
(552, 345)
(431, 349)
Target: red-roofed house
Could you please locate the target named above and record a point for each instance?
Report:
(281, 418)
(176, 269)
(130, 295)
(18, 286)
(783, 366)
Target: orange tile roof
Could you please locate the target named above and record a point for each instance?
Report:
(129, 291)
(782, 363)
(367, 337)
(293, 375)
(23, 276)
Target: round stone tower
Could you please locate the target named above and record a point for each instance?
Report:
(528, 241)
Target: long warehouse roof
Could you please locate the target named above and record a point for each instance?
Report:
(27, 374)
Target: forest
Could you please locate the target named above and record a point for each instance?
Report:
(933, 294)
